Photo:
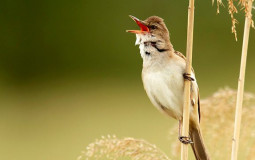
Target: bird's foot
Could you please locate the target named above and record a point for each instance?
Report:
(185, 140)
(187, 76)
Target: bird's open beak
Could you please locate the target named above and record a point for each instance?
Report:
(143, 27)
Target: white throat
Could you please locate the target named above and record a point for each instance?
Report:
(149, 53)
(141, 40)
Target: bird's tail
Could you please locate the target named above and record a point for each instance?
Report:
(198, 145)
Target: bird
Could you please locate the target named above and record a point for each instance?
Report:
(163, 77)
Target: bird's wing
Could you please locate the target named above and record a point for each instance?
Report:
(183, 57)
(198, 104)
(194, 94)
(195, 99)
(180, 55)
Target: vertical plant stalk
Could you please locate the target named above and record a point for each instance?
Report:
(186, 107)
(239, 101)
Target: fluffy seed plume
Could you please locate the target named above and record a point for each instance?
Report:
(113, 148)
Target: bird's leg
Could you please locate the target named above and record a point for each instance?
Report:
(188, 77)
(183, 139)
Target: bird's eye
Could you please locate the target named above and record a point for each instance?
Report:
(153, 27)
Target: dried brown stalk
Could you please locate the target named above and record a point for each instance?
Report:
(239, 102)
(185, 120)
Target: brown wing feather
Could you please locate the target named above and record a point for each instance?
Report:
(182, 56)
(198, 97)
(198, 105)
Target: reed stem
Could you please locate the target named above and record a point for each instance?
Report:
(239, 101)
(186, 107)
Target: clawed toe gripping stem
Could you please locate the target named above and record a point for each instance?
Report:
(188, 77)
(185, 140)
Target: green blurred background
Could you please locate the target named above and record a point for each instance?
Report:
(69, 73)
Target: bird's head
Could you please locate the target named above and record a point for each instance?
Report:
(153, 25)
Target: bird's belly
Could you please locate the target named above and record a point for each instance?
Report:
(165, 90)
